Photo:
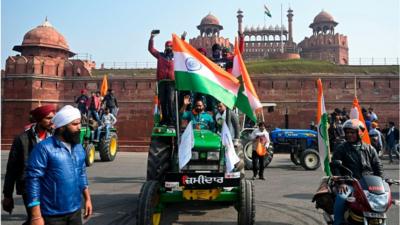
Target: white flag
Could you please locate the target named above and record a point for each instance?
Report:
(186, 145)
(230, 153)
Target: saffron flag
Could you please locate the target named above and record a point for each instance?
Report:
(186, 145)
(322, 128)
(356, 113)
(266, 11)
(195, 72)
(247, 98)
(104, 86)
(231, 157)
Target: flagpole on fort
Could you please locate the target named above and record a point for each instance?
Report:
(281, 30)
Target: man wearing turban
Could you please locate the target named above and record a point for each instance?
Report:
(18, 156)
(56, 174)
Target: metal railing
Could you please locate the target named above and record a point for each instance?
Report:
(127, 65)
(83, 56)
(372, 61)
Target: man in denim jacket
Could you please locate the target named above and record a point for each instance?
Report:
(56, 174)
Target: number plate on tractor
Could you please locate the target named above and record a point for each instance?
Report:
(202, 180)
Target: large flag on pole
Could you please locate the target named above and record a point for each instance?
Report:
(247, 99)
(186, 145)
(356, 113)
(266, 11)
(322, 128)
(230, 153)
(195, 72)
(104, 86)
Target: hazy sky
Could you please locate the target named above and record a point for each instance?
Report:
(118, 30)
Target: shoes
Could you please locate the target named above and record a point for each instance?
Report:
(262, 178)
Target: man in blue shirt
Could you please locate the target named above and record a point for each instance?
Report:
(56, 174)
(199, 118)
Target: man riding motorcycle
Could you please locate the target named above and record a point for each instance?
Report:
(359, 157)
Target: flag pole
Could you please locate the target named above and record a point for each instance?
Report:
(281, 30)
(355, 86)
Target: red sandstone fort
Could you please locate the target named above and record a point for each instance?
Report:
(44, 73)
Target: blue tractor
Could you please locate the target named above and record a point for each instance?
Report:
(302, 145)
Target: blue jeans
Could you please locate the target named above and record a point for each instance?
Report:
(107, 127)
(93, 113)
(338, 208)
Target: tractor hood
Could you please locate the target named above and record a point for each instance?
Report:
(205, 139)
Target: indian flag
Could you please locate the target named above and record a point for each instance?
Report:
(195, 72)
(156, 111)
(323, 124)
(247, 99)
(356, 113)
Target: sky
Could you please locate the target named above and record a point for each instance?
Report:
(118, 30)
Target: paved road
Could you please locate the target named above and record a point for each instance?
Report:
(283, 199)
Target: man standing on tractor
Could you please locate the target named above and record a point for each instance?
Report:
(81, 102)
(357, 156)
(231, 119)
(260, 136)
(110, 102)
(200, 119)
(165, 79)
(19, 153)
(94, 105)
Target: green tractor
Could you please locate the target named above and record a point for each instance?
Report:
(203, 178)
(107, 147)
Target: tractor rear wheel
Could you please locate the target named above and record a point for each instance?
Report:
(108, 147)
(310, 159)
(149, 198)
(158, 160)
(90, 154)
(246, 209)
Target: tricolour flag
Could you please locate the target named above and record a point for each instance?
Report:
(104, 86)
(247, 99)
(356, 113)
(195, 72)
(266, 11)
(156, 111)
(322, 128)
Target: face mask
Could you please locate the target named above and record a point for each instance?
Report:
(72, 138)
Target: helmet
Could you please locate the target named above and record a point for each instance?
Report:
(355, 124)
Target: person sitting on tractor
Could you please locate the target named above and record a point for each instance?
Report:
(231, 119)
(200, 119)
(107, 121)
(359, 157)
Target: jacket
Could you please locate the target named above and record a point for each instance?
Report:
(94, 103)
(165, 66)
(18, 156)
(56, 177)
(361, 162)
(110, 101)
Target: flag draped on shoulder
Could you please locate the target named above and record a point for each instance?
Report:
(195, 72)
(104, 86)
(266, 11)
(356, 113)
(247, 99)
(322, 128)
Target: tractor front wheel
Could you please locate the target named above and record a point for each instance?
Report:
(246, 209)
(148, 211)
(310, 159)
(90, 154)
(158, 160)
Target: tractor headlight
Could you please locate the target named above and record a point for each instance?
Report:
(195, 155)
(212, 155)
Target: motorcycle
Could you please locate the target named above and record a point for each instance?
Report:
(368, 203)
